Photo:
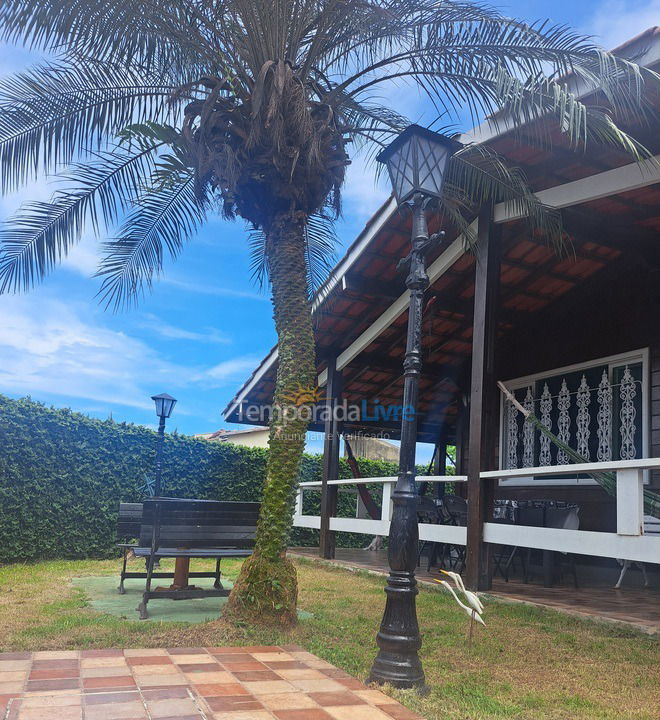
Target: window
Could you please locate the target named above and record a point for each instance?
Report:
(598, 408)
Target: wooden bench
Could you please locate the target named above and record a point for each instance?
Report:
(173, 528)
(129, 523)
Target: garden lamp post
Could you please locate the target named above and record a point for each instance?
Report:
(416, 162)
(164, 405)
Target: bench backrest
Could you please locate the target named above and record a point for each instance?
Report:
(129, 521)
(200, 523)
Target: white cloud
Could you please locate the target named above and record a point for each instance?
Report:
(233, 369)
(616, 21)
(203, 289)
(49, 346)
(172, 332)
(83, 257)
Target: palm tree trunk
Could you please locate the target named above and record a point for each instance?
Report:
(267, 585)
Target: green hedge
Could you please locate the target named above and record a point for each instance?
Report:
(63, 474)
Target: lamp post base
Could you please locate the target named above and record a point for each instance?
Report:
(397, 662)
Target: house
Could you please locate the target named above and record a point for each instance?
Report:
(373, 448)
(248, 437)
(573, 334)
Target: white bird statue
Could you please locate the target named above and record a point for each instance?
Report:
(471, 612)
(474, 609)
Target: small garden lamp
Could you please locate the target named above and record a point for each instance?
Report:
(416, 162)
(164, 405)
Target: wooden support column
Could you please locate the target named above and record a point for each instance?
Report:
(483, 401)
(330, 462)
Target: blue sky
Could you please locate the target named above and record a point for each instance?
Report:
(205, 326)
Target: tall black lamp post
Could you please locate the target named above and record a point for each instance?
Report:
(416, 162)
(164, 405)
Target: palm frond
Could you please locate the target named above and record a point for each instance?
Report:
(477, 176)
(112, 30)
(55, 112)
(35, 239)
(161, 221)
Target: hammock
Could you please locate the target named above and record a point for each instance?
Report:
(365, 495)
(607, 480)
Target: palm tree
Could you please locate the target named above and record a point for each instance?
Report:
(158, 114)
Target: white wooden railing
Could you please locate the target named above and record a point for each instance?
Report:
(628, 542)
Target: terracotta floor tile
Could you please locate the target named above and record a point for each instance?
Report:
(306, 714)
(325, 699)
(14, 666)
(52, 701)
(286, 665)
(46, 685)
(165, 693)
(398, 712)
(108, 682)
(144, 652)
(272, 657)
(250, 715)
(55, 664)
(196, 716)
(50, 713)
(220, 689)
(252, 649)
(210, 678)
(287, 701)
(171, 708)
(110, 652)
(228, 658)
(116, 711)
(335, 673)
(149, 660)
(139, 670)
(53, 674)
(233, 703)
(244, 666)
(376, 697)
(162, 680)
(351, 683)
(200, 667)
(267, 688)
(357, 712)
(192, 658)
(102, 662)
(56, 655)
(75, 691)
(15, 656)
(186, 651)
(233, 650)
(123, 696)
(112, 671)
(255, 675)
(324, 685)
(19, 676)
(305, 674)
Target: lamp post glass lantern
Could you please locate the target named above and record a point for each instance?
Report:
(164, 405)
(416, 162)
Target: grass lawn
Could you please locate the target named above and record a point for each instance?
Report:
(528, 663)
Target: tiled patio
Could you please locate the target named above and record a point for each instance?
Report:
(231, 683)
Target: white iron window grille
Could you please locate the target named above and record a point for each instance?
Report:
(598, 409)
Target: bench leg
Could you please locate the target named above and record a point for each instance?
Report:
(142, 607)
(217, 584)
(123, 573)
